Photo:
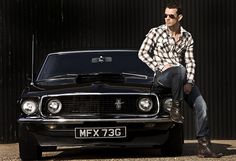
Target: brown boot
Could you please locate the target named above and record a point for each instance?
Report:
(176, 113)
(204, 149)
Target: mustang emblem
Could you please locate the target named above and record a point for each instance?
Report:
(118, 103)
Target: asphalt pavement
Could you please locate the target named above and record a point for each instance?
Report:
(10, 152)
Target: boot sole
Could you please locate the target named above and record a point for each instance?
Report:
(210, 156)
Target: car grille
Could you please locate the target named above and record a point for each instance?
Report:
(100, 104)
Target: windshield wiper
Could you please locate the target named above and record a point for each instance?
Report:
(135, 75)
(64, 76)
(99, 74)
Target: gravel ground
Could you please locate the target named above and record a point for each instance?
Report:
(9, 152)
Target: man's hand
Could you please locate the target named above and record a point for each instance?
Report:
(188, 88)
(166, 67)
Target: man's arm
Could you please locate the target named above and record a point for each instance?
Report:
(189, 61)
(146, 51)
(190, 66)
(146, 48)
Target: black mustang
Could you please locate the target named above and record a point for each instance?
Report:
(96, 98)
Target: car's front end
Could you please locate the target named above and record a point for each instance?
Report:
(105, 105)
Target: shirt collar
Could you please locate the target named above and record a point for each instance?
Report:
(182, 30)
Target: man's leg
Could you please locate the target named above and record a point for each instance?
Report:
(174, 78)
(196, 101)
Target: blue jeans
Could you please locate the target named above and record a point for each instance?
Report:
(198, 104)
(175, 78)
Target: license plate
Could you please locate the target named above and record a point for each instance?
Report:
(100, 132)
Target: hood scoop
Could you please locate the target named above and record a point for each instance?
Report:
(100, 77)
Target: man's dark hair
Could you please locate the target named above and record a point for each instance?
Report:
(175, 4)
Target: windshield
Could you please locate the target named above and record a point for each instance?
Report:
(80, 63)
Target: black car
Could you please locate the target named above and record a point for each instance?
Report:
(96, 98)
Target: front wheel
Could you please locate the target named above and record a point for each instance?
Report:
(28, 145)
(174, 145)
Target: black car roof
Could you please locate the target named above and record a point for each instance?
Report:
(90, 51)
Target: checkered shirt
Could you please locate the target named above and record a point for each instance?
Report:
(159, 49)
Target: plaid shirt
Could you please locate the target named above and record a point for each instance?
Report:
(159, 49)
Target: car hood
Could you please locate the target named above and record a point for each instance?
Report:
(98, 85)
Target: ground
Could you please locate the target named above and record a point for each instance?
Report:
(10, 152)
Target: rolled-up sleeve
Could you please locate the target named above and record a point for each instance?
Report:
(189, 60)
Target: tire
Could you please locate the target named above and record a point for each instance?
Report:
(28, 146)
(174, 145)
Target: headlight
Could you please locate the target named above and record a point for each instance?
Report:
(29, 107)
(54, 106)
(167, 104)
(145, 104)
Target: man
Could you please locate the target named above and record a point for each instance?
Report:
(168, 51)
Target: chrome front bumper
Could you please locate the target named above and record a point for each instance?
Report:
(81, 121)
